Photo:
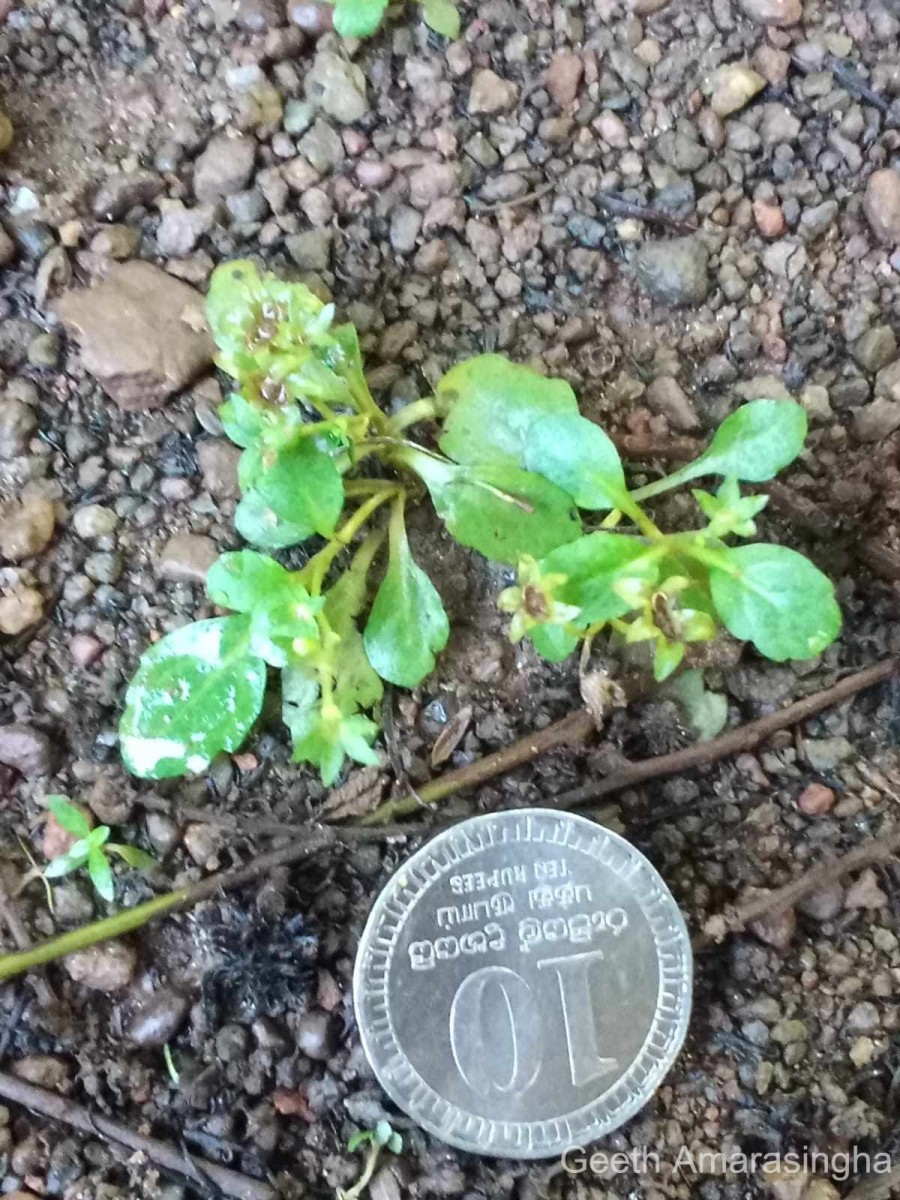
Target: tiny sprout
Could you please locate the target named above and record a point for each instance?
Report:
(91, 849)
(171, 1069)
(382, 1137)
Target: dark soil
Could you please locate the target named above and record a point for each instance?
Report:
(442, 231)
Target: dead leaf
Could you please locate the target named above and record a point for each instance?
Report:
(55, 268)
(360, 794)
(451, 735)
(292, 1104)
(601, 694)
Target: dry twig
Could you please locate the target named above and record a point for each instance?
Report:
(735, 741)
(59, 1108)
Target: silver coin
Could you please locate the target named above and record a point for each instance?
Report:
(523, 983)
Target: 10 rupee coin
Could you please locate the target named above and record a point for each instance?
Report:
(523, 983)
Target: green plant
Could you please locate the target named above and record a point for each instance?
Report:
(516, 463)
(382, 1137)
(91, 850)
(361, 18)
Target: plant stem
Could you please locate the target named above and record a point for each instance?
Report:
(365, 402)
(411, 414)
(367, 487)
(317, 567)
(715, 559)
(676, 479)
(640, 518)
(89, 935)
(372, 1156)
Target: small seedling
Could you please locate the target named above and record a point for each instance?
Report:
(382, 1137)
(171, 1070)
(92, 849)
(516, 471)
(361, 18)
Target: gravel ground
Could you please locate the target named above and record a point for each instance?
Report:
(676, 206)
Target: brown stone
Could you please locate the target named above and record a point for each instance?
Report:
(882, 205)
(562, 77)
(187, 557)
(143, 334)
(26, 528)
(816, 798)
(769, 218)
(105, 968)
(27, 750)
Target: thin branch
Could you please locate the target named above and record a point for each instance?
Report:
(873, 850)
(312, 838)
(735, 741)
(571, 730)
(59, 1108)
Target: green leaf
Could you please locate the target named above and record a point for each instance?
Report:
(267, 329)
(285, 626)
(358, 18)
(65, 864)
(196, 692)
(256, 522)
(357, 684)
(754, 443)
(304, 487)
(395, 1143)
(502, 512)
(576, 454)
(491, 405)
(327, 736)
(553, 642)
(667, 657)
(242, 421)
(407, 625)
(299, 697)
(706, 711)
(776, 599)
(101, 874)
(243, 580)
(594, 565)
(442, 16)
(133, 856)
(382, 1133)
(728, 511)
(69, 816)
